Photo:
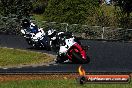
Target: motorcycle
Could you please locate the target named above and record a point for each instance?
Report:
(56, 36)
(27, 35)
(53, 36)
(72, 51)
(38, 40)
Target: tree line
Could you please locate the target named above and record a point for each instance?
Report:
(70, 11)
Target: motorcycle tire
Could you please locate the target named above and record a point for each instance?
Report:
(34, 46)
(48, 48)
(45, 46)
(46, 43)
(59, 59)
(54, 47)
(78, 58)
(29, 41)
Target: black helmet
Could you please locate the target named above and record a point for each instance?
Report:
(25, 23)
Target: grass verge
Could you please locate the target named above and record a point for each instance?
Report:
(16, 57)
(63, 83)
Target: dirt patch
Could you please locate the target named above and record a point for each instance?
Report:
(45, 76)
(5, 78)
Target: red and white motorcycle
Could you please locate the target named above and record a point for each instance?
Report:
(72, 51)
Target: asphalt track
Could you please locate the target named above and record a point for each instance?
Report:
(105, 57)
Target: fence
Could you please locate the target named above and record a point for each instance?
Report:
(91, 32)
(12, 25)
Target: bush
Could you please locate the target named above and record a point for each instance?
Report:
(9, 25)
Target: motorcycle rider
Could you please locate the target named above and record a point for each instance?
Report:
(37, 34)
(25, 23)
(52, 34)
(66, 35)
(71, 50)
(29, 26)
(57, 38)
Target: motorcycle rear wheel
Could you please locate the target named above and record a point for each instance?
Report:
(60, 59)
(77, 58)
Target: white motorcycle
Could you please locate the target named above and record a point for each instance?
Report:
(38, 40)
(54, 43)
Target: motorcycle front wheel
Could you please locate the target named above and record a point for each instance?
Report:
(29, 41)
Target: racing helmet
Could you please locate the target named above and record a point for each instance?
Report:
(25, 23)
(34, 28)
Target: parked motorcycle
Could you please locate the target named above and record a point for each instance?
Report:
(71, 50)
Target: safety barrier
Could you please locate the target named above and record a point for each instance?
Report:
(12, 25)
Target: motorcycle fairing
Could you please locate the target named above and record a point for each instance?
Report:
(78, 49)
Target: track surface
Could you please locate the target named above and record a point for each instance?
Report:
(105, 57)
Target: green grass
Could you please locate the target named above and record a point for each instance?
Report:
(38, 19)
(58, 84)
(15, 57)
(108, 10)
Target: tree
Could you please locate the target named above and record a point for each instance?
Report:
(17, 7)
(123, 14)
(39, 6)
(71, 11)
(125, 6)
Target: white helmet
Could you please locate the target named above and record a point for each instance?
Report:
(32, 24)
